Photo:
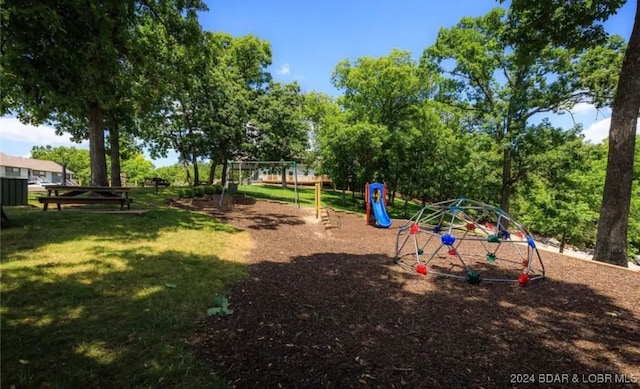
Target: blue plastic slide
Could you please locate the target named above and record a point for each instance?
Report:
(377, 204)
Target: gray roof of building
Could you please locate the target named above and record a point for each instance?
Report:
(30, 163)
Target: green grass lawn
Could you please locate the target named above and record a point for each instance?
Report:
(330, 198)
(108, 300)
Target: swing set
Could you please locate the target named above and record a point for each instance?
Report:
(254, 167)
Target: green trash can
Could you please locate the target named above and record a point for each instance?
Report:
(13, 192)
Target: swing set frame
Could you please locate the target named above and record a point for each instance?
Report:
(256, 164)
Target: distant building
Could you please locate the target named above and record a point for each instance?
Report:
(306, 176)
(270, 173)
(32, 169)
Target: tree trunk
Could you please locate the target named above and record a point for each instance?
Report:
(96, 147)
(196, 173)
(562, 243)
(212, 170)
(185, 165)
(505, 189)
(353, 197)
(404, 211)
(284, 177)
(611, 241)
(114, 146)
(225, 169)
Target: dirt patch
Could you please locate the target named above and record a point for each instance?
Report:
(329, 308)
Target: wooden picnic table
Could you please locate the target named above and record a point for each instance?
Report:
(62, 194)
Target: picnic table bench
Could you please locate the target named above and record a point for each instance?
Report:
(156, 181)
(60, 194)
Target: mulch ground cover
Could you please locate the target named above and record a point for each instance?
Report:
(330, 309)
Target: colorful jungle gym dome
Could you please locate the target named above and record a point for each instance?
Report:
(469, 240)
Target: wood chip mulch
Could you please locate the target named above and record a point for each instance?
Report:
(328, 308)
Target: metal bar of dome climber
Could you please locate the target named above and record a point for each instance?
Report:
(542, 274)
(411, 222)
(475, 228)
(406, 239)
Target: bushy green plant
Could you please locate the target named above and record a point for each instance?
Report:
(220, 306)
(188, 193)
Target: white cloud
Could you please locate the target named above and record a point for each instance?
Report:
(12, 129)
(599, 130)
(284, 69)
(581, 108)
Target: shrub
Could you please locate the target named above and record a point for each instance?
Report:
(188, 193)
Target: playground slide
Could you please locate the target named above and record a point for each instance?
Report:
(379, 211)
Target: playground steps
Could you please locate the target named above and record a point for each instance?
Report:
(326, 219)
(324, 214)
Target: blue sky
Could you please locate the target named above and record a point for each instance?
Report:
(308, 38)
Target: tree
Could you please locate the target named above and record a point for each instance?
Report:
(319, 109)
(385, 91)
(581, 27)
(576, 24)
(137, 168)
(120, 134)
(634, 212)
(507, 81)
(561, 197)
(204, 110)
(66, 58)
(282, 130)
(52, 53)
(231, 90)
(611, 241)
(122, 146)
(77, 160)
(174, 174)
(364, 143)
(168, 110)
(350, 152)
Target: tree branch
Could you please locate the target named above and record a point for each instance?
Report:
(476, 81)
(554, 103)
(151, 9)
(504, 71)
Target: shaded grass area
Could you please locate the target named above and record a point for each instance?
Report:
(330, 198)
(108, 300)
